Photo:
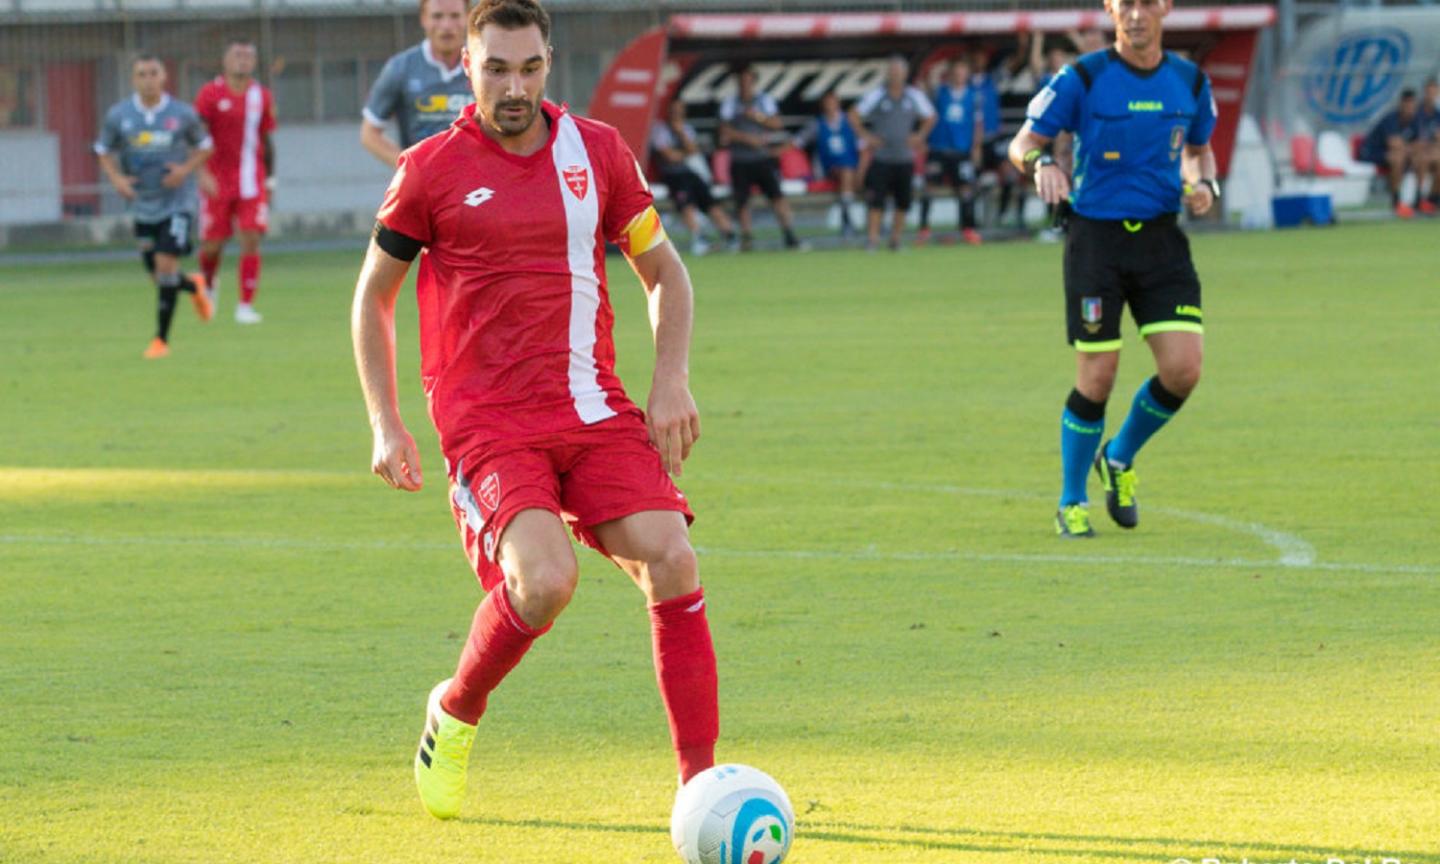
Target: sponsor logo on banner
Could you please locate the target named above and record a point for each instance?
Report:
(1358, 75)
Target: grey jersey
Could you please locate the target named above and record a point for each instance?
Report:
(420, 94)
(145, 141)
(736, 114)
(894, 121)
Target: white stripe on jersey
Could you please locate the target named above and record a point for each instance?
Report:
(250, 147)
(582, 217)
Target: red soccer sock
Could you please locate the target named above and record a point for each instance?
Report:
(498, 639)
(249, 276)
(208, 265)
(685, 668)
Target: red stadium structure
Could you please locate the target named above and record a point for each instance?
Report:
(800, 56)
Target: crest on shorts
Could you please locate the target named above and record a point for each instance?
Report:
(577, 180)
(490, 492)
(1090, 310)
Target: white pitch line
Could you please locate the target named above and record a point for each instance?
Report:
(871, 554)
(1294, 551)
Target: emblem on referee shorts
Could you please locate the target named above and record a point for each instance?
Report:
(490, 492)
(1090, 313)
(577, 179)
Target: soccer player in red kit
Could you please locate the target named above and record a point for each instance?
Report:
(513, 206)
(241, 116)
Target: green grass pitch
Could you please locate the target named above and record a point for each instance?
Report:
(217, 629)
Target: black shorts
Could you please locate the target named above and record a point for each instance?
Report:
(764, 173)
(688, 189)
(994, 153)
(169, 236)
(1108, 266)
(949, 168)
(893, 180)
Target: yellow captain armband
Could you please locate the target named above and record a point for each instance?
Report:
(644, 233)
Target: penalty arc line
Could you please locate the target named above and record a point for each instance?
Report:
(1294, 551)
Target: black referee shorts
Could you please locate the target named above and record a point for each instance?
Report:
(1145, 265)
(892, 180)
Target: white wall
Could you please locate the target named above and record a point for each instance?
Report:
(29, 177)
(322, 168)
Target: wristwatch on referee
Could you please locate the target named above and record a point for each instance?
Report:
(1037, 159)
(1213, 185)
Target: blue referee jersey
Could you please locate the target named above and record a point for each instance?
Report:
(1131, 127)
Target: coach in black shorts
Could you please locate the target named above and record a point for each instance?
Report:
(748, 122)
(1142, 119)
(895, 119)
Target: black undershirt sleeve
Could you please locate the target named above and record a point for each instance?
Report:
(395, 244)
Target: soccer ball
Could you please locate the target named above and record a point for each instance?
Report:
(732, 814)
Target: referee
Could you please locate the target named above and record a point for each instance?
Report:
(1142, 118)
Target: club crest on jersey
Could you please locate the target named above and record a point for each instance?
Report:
(577, 180)
(490, 492)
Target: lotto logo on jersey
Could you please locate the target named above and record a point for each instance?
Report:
(577, 180)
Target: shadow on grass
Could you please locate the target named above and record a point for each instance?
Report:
(1165, 849)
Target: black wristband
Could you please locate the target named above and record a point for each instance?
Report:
(1213, 185)
(395, 244)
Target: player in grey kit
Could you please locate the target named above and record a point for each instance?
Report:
(894, 118)
(423, 88)
(149, 148)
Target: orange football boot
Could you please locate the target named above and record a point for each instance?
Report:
(157, 349)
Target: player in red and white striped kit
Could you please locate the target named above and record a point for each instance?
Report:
(241, 115)
(513, 206)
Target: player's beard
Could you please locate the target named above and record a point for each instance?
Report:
(510, 124)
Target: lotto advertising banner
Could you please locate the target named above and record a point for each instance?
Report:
(798, 58)
(1347, 70)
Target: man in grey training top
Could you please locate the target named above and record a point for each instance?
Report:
(895, 119)
(749, 126)
(424, 88)
(149, 149)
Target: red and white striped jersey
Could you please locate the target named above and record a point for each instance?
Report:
(515, 320)
(237, 122)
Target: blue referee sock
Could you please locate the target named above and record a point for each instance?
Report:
(1081, 426)
(1153, 407)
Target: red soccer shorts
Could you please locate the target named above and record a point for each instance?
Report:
(219, 215)
(586, 477)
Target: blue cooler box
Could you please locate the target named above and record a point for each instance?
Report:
(1292, 210)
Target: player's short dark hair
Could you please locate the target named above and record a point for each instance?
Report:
(426, 3)
(1407, 93)
(510, 15)
(145, 57)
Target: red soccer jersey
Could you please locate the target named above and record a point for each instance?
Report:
(515, 321)
(237, 122)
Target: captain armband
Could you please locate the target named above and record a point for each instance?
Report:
(395, 244)
(644, 233)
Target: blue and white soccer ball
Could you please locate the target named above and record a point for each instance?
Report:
(732, 814)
